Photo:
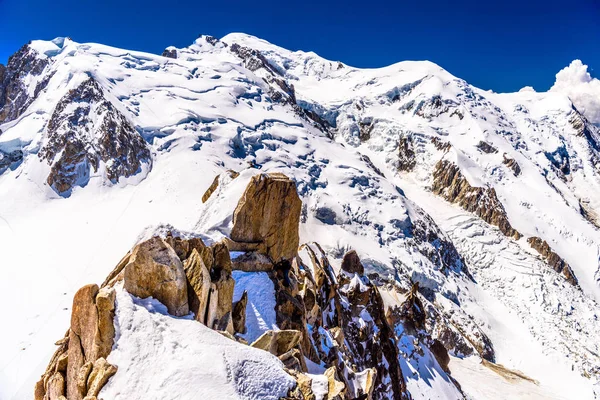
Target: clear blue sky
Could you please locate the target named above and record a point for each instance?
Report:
(502, 46)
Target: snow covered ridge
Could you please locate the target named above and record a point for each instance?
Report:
(155, 309)
(487, 201)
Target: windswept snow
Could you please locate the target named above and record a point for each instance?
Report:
(163, 357)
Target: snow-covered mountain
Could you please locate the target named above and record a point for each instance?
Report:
(475, 215)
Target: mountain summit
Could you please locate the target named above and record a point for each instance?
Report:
(236, 220)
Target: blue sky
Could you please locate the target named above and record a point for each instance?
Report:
(502, 46)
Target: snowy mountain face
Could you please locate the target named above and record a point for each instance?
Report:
(474, 216)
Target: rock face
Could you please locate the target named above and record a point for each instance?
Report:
(449, 183)
(78, 367)
(154, 269)
(486, 147)
(198, 279)
(351, 263)
(85, 131)
(15, 93)
(513, 165)
(267, 217)
(211, 189)
(170, 52)
(349, 329)
(406, 154)
(552, 259)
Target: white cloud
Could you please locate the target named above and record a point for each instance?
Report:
(527, 89)
(584, 91)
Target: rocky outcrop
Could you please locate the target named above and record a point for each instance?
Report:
(349, 329)
(79, 367)
(211, 189)
(278, 342)
(450, 183)
(552, 259)
(486, 147)
(512, 165)
(86, 131)
(25, 70)
(155, 270)
(198, 284)
(170, 52)
(351, 263)
(267, 217)
(406, 154)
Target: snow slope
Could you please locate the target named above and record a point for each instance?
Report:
(209, 110)
(152, 347)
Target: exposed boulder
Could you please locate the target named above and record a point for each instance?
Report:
(99, 375)
(198, 283)
(278, 342)
(155, 270)
(450, 183)
(335, 388)
(267, 217)
(553, 259)
(56, 386)
(351, 263)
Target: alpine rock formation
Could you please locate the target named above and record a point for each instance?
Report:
(235, 220)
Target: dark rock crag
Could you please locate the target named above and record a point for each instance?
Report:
(552, 259)
(450, 183)
(94, 132)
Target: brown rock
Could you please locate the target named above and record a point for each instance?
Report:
(553, 259)
(211, 189)
(39, 391)
(278, 342)
(450, 183)
(101, 373)
(294, 360)
(441, 354)
(303, 389)
(269, 214)
(84, 324)
(335, 387)
(56, 386)
(154, 269)
(117, 273)
(221, 258)
(198, 278)
(252, 262)
(239, 314)
(82, 377)
(351, 263)
(221, 317)
(105, 333)
(62, 363)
